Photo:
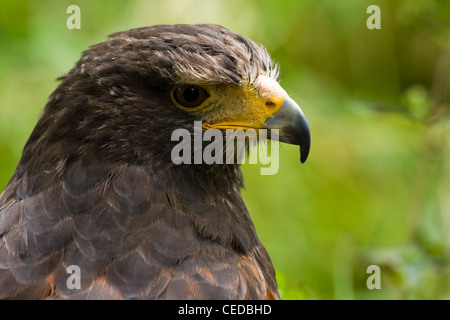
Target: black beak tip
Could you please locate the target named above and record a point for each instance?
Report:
(304, 152)
(304, 138)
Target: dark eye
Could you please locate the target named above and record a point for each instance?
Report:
(190, 96)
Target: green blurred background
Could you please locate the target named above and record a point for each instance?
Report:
(376, 187)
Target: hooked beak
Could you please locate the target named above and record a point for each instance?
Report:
(267, 106)
(292, 125)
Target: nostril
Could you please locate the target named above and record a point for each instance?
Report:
(270, 104)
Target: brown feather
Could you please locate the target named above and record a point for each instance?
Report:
(96, 188)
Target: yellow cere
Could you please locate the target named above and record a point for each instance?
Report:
(248, 106)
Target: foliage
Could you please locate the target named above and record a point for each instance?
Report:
(375, 188)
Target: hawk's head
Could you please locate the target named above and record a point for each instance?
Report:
(125, 96)
(96, 186)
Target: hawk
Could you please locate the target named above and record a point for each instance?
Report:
(96, 189)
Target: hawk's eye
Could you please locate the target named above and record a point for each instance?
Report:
(190, 96)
